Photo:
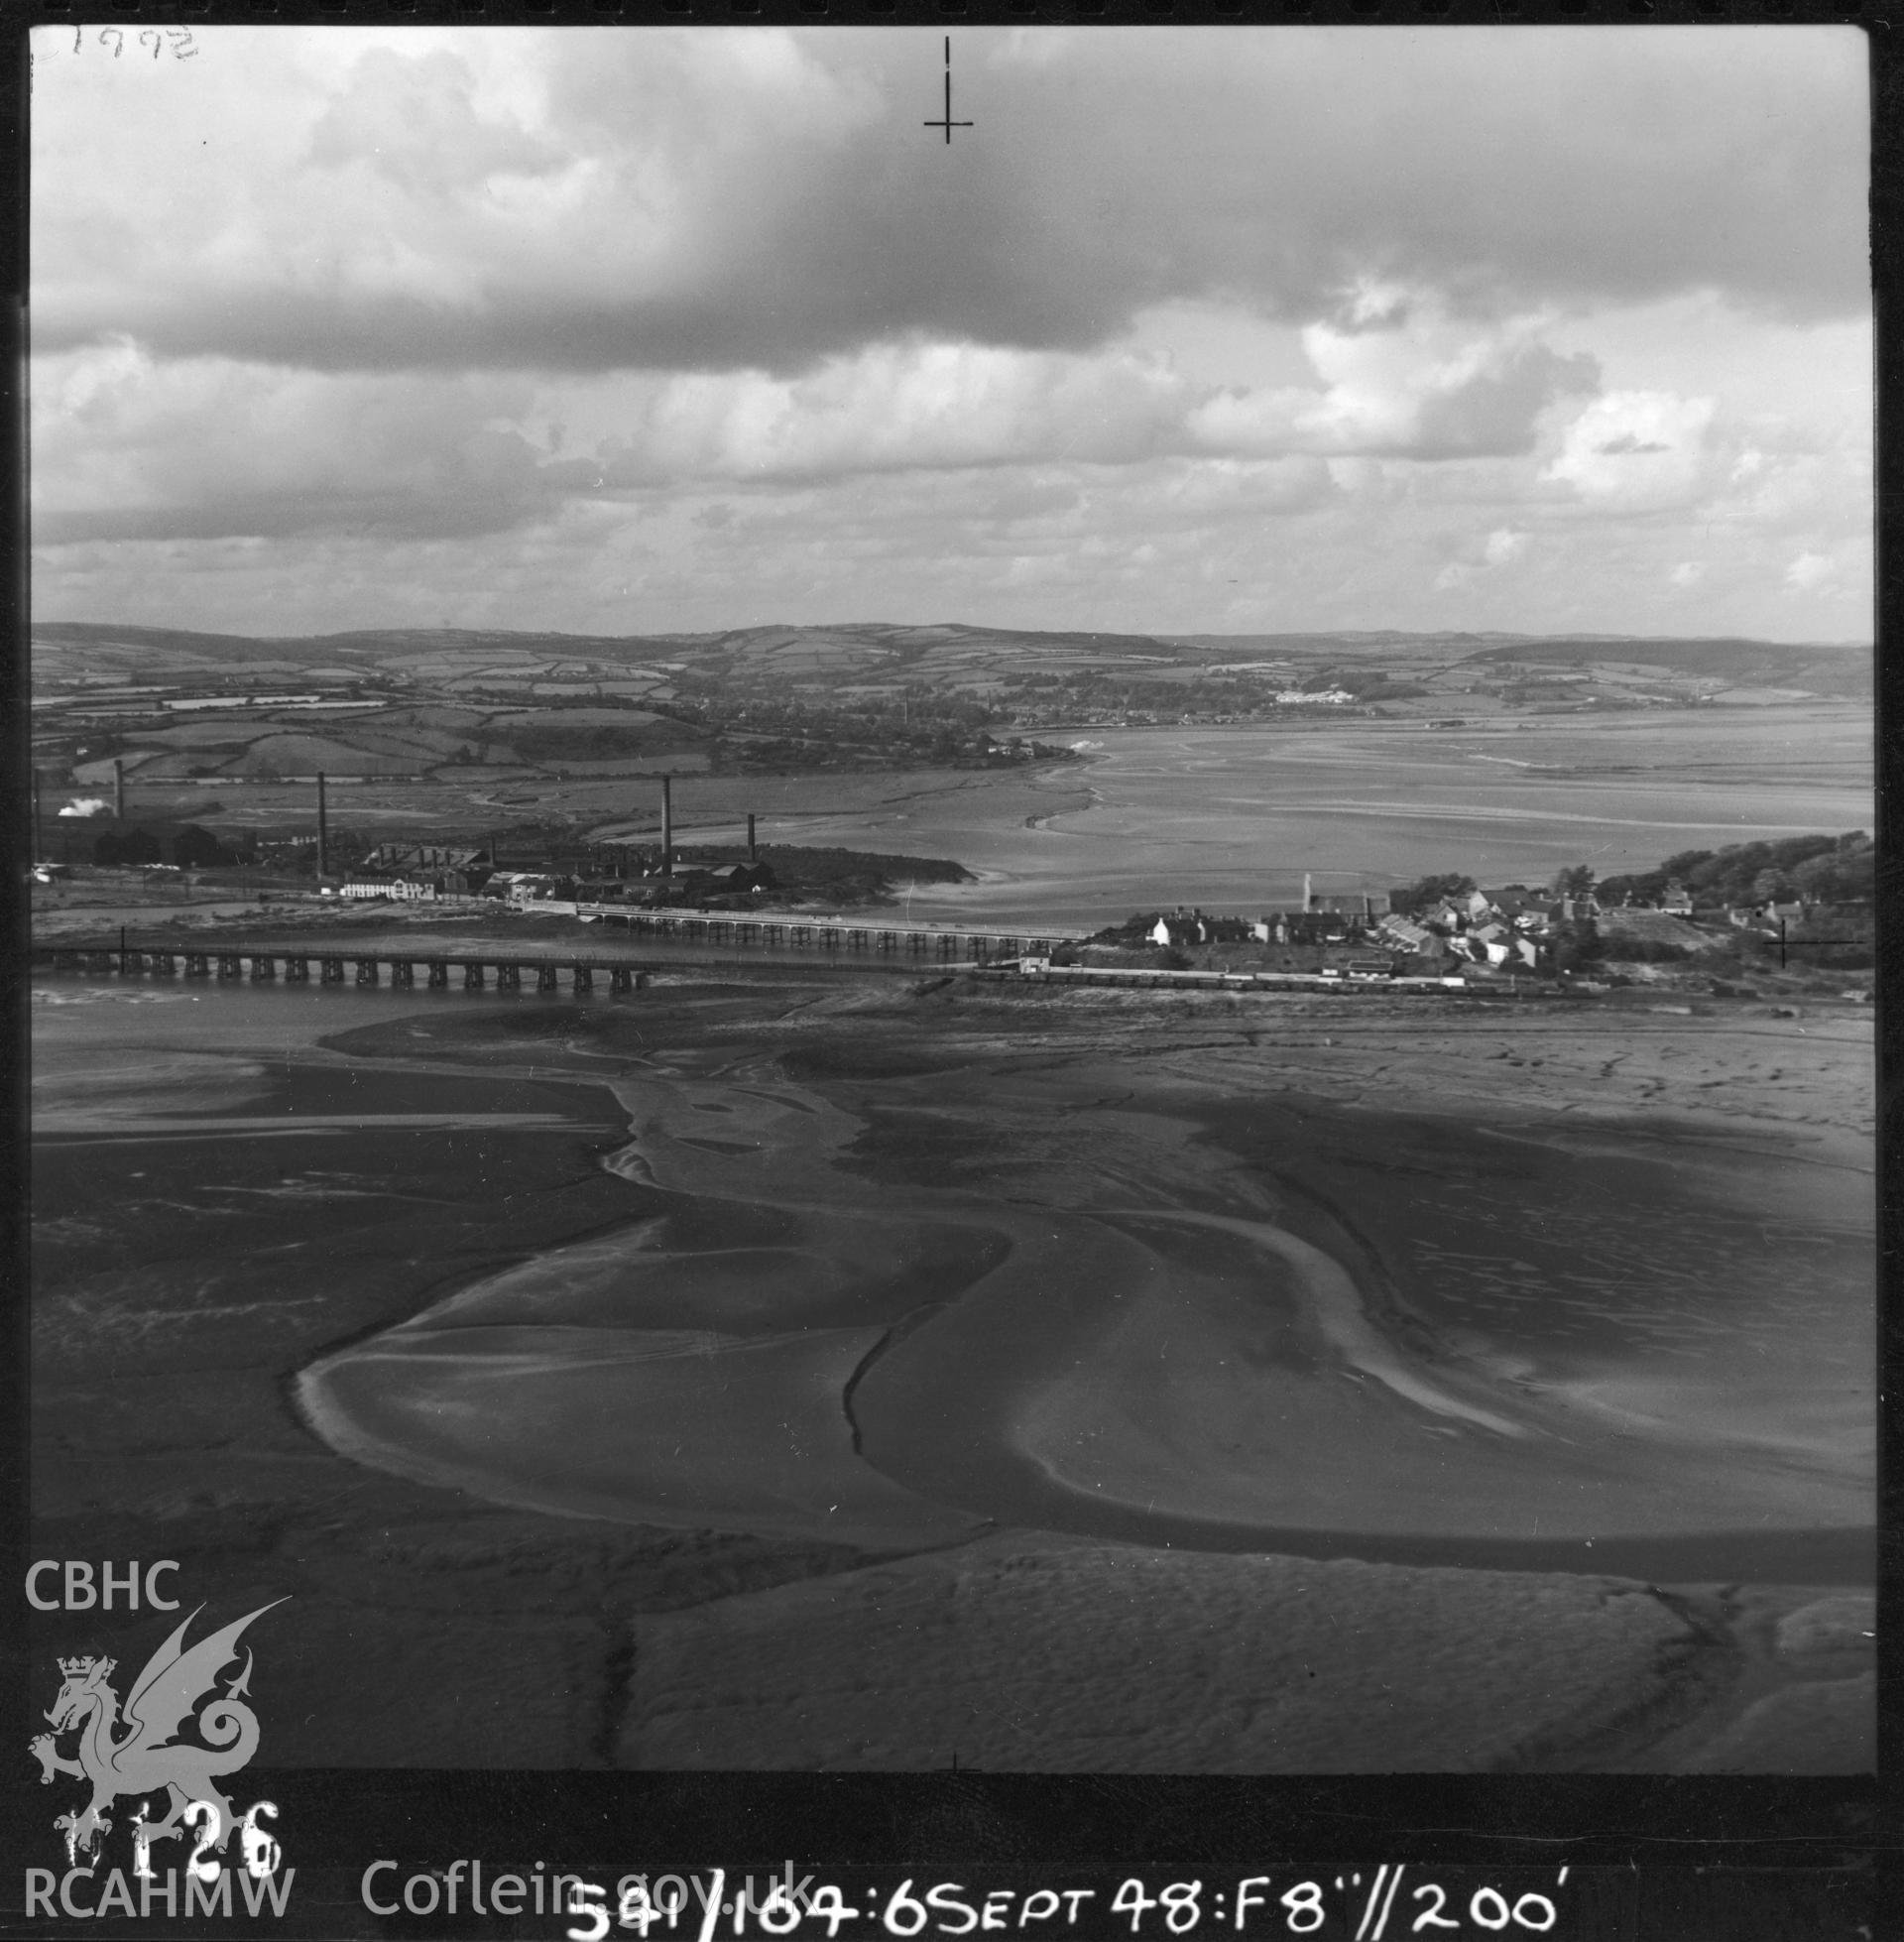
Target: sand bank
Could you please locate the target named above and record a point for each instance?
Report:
(1533, 1334)
(879, 1253)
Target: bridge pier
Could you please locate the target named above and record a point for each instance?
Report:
(720, 930)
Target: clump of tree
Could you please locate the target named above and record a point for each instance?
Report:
(1366, 685)
(558, 742)
(1575, 945)
(197, 848)
(190, 846)
(1818, 869)
(1134, 929)
(134, 847)
(841, 876)
(794, 863)
(1426, 891)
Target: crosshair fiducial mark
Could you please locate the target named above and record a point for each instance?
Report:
(947, 123)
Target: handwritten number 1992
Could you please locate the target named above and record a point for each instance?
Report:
(178, 39)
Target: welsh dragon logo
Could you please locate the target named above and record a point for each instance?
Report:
(135, 1751)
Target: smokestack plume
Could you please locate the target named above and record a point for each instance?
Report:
(753, 854)
(668, 824)
(118, 790)
(323, 829)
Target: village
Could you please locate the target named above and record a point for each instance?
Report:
(1807, 902)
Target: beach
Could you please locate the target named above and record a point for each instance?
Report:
(582, 1347)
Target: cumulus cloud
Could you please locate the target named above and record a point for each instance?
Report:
(656, 329)
(1497, 548)
(129, 446)
(1634, 449)
(894, 406)
(707, 199)
(1400, 377)
(1808, 570)
(413, 124)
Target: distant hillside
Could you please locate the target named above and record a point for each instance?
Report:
(949, 652)
(58, 641)
(1763, 663)
(873, 655)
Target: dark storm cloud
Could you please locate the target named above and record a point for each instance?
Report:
(708, 201)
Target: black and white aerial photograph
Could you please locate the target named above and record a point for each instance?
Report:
(946, 898)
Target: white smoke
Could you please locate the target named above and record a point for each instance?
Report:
(85, 805)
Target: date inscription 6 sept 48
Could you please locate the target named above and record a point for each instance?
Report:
(1304, 1907)
(1359, 1908)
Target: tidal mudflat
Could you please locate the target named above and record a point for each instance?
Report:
(821, 1370)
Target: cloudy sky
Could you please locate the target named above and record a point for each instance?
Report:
(1215, 329)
